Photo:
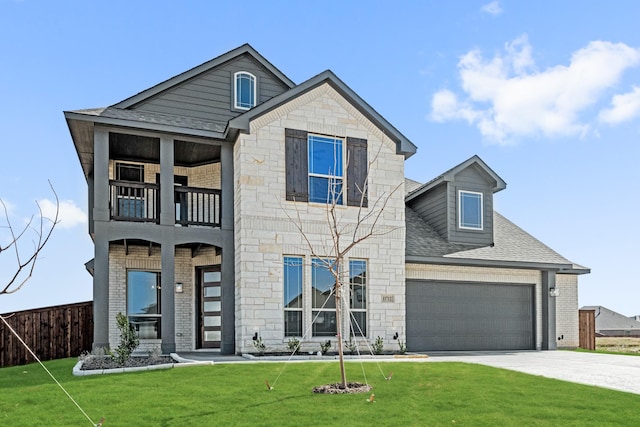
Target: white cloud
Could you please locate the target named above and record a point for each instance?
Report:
(492, 8)
(70, 215)
(624, 107)
(506, 97)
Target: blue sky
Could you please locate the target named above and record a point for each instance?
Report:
(546, 92)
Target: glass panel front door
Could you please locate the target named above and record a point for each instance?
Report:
(210, 307)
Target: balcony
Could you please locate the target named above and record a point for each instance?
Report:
(140, 202)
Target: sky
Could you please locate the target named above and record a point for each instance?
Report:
(547, 93)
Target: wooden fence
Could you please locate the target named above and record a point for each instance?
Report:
(51, 333)
(587, 329)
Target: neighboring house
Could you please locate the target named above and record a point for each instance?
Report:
(190, 183)
(612, 324)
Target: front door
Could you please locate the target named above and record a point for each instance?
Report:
(210, 307)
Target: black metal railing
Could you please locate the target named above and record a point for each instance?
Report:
(133, 201)
(197, 206)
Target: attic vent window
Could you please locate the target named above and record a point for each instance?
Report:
(470, 210)
(244, 90)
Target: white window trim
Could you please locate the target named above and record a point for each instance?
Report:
(300, 309)
(235, 90)
(342, 178)
(364, 310)
(460, 193)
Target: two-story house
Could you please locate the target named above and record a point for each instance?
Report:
(198, 189)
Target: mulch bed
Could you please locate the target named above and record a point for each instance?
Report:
(105, 362)
(338, 389)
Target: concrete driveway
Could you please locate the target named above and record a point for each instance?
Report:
(603, 370)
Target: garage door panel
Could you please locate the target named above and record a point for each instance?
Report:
(469, 316)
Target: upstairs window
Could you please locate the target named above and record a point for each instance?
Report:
(244, 90)
(316, 168)
(470, 210)
(325, 169)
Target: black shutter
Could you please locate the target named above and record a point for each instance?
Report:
(297, 167)
(357, 172)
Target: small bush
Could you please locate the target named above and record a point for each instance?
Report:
(294, 345)
(128, 339)
(259, 345)
(403, 346)
(351, 345)
(325, 346)
(378, 345)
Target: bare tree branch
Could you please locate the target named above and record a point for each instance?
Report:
(25, 266)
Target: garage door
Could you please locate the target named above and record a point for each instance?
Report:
(469, 316)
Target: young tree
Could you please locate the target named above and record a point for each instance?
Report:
(345, 235)
(39, 231)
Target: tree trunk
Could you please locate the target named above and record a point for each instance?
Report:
(339, 334)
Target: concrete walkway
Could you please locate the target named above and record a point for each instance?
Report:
(603, 370)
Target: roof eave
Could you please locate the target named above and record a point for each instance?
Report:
(110, 121)
(473, 262)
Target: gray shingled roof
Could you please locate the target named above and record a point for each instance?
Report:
(610, 320)
(511, 244)
(163, 119)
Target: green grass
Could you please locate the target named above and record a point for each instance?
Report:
(419, 394)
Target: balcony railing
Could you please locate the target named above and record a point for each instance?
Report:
(140, 202)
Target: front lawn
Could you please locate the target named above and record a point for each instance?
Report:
(418, 394)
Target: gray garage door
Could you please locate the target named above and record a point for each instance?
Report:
(469, 316)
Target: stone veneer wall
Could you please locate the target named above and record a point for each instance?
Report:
(264, 234)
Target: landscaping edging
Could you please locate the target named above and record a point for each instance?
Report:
(180, 362)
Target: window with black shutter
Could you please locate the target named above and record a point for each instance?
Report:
(296, 165)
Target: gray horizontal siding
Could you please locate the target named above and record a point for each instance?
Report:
(209, 95)
(470, 179)
(432, 208)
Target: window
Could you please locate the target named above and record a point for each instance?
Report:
(358, 297)
(323, 300)
(244, 90)
(130, 197)
(314, 165)
(292, 296)
(325, 169)
(143, 303)
(470, 210)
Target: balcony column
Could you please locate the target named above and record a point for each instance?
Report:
(167, 210)
(167, 255)
(100, 175)
(228, 258)
(99, 199)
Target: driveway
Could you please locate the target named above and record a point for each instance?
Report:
(603, 370)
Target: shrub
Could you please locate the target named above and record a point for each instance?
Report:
(128, 339)
(259, 345)
(403, 346)
(294, 345)
(378, 345)
(325, 346)
(351, 345)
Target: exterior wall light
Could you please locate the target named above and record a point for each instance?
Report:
(179, 288)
